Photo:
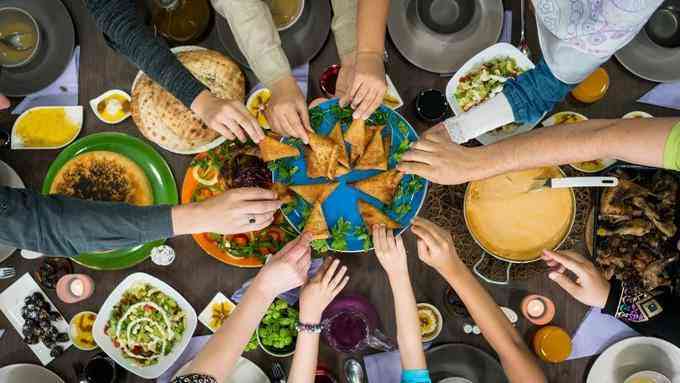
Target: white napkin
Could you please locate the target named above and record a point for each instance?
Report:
(666, 95)
(485, 117)
(62, 92)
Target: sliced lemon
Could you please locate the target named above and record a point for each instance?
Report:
(257, 105)
(208, 176)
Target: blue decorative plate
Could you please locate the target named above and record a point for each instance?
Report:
(348, 233)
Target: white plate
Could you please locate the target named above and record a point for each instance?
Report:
(24, 373)
(637, 114)
(8, 177)
(495, 51)
(203, 148)
(74, 113)
(104, 342)
(552, 120)
(95, 102)
(11, 302)
(631, 355)
(205, 315)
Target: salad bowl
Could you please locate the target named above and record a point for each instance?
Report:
(496, 51)
(107, 345)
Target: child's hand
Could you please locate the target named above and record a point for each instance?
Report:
(390, 251)
(435, 245)
(320, 291)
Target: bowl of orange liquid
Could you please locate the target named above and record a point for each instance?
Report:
(593, 88)
(552, 344)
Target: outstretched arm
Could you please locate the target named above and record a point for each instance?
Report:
(640, 141)
(435, 247)
(392, 256)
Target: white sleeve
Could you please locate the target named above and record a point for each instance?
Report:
(485, 117)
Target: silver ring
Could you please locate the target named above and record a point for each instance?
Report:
(252, 219)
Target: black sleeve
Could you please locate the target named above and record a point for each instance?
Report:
(56, 225)
(125, 30)
(663, 325)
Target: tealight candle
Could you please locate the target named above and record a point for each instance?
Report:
(535, 308)
(73, 288)
(538, 309)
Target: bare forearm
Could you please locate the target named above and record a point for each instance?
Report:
(408, 326)
(371, 24)
(518, 363)
(304, 361)
(634, 140)
(220, 354)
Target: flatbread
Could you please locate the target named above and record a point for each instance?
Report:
(381, 186)
(315, 192)
(163, 119)
(316, 223)
(326, 152)
(336, 136)
(374, 216)
(103, 176)
(374, 156)
(356, 136)
(272, 150)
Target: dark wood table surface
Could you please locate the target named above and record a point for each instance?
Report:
(198, 276)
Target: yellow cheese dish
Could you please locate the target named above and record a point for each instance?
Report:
(46, 127)
(511, 222)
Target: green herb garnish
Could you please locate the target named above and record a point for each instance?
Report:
(283, 170)
(377, 118)
(344, 115)
(277, 329)
(339, 232)
(320, 245)
(403, 147)
(403, 129)
(401, 209)
(316, 116)
(362, 234)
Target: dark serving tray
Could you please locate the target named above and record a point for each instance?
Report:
(670, 244)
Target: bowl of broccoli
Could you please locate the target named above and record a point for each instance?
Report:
(277, 334)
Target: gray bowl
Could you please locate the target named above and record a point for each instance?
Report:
(7, 12)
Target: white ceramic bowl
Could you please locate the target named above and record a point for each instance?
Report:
(495, 51)
(652, 376)
(274, 353)
(105, 343)
(95, 102)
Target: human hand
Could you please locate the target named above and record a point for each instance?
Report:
(589, 287)
(4, 102)
(345, 77)
(435, 246)
(435, 157)
(228, 213)
(287, 269)
(320, 291)
(390, 251)
(287, 111)
(229, 118)
(368, 84)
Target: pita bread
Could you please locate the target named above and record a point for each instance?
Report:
(315, 192)
(272, 150)
(103, 176)
(374, 156)
(326, 152)
(164, 119)
(381, 186)
(314, 168)
(316, 223)
(374, 216)
(356, 136)
(336, 136)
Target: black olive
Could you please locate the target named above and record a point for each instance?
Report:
(24, 312)
(38, 297)
(43, 315)
(63, 337)
(54, 316)
(45, 325)
(48, 342)
(56, 351)
(28, 300)
(27, 331)
(33, 315)
(30, 323)
(31, 339)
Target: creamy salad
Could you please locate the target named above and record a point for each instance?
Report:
(485, 81)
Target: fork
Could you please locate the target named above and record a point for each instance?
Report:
(523, 45)
(277, 373)
(7, 272)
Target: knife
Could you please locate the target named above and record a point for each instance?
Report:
(573, 182)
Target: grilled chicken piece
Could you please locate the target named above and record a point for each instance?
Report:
(665, 186)
(613, 201)
(635, 227)
(668, 228)
(654, 275)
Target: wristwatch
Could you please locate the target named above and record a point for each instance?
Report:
(313, 328)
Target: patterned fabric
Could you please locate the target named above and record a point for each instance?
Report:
(194, 378)
(635, 304)
(415, 376)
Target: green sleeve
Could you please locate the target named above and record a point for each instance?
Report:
(671, 154)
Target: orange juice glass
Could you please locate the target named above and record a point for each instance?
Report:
(593, 88)
(552, 344)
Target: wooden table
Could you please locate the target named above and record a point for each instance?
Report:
(198, 277)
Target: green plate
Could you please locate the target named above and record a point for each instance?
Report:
(156, 169)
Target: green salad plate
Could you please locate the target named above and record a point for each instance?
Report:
(157, 171)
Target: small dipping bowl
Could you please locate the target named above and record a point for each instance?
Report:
(74, 330)
(647, 376)
(73, 288)
(431, 105)
(538, 309)
(438, 317)
(663, 28)
(112, 107)
(294, 19)
(329, 79)
(17, 20)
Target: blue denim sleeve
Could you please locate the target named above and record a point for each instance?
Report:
(56, 225)
(534, 93)
(415, 376)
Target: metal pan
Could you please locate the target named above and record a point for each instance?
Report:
(510, 262)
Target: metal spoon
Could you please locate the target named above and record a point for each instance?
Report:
(354, 373)
(523, 45)
(13, 40)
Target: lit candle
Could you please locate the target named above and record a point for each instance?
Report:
(535, 308)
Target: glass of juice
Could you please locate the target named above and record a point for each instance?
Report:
(552, 344)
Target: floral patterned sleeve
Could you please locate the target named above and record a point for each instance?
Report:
(194, 378)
